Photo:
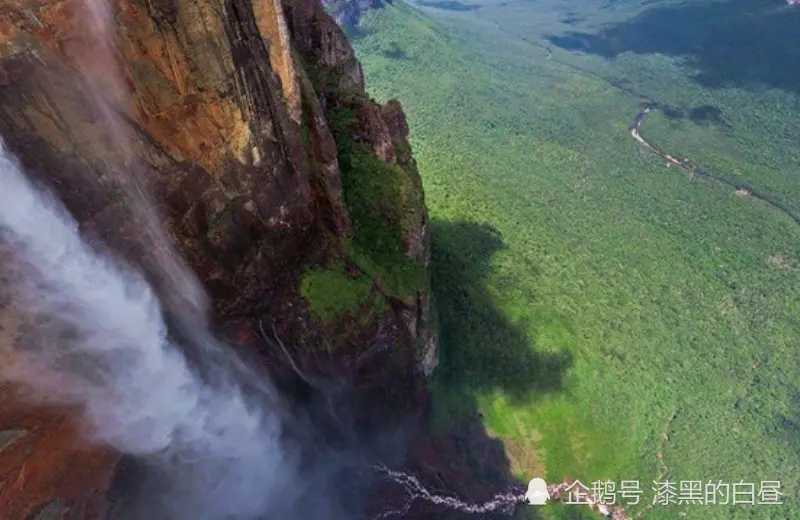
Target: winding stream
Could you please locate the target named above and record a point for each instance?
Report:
(740, 188)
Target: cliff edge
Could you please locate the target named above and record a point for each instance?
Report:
(293, 196)
(348, 12)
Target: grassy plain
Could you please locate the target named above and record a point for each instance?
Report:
(611, 318)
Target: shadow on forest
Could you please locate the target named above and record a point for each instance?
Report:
(481, 351)
(738, 43)
(395, 52)
(703, 115)
(787, 424)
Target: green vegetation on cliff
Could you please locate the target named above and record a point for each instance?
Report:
(382, 202)
(332, 292)
(611, 317)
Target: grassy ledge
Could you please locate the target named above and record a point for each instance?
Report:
(333, 293)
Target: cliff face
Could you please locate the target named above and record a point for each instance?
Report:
(293, 196)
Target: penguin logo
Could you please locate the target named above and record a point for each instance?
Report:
(537, 494)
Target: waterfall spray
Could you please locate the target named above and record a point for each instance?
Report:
(181, 288)
(96, 338)
(99, 329)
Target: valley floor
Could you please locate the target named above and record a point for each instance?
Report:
(611, 318)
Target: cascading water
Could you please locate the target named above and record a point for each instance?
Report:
(101, 342)
(211, 439)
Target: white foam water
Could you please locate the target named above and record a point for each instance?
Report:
(100, 341)
(97, 338)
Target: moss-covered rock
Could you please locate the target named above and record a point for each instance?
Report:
(385, 205)
(333, 293)
(387, 237)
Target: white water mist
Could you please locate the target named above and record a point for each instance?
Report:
(100, 341)
(183, 290)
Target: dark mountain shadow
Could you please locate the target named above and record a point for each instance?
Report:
(449, 5)
(703, 115)
(395, 52)
(748, 44)
(707, 115)
(353, 30)
(672, 112)
(787, 426)
(480, 349)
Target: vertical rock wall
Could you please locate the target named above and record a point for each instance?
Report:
(249, 124)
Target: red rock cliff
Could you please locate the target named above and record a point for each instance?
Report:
(292, 195)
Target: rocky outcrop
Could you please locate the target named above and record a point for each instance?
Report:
(292, 195)
(348, 12)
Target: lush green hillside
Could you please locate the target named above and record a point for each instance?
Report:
(612, 318)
